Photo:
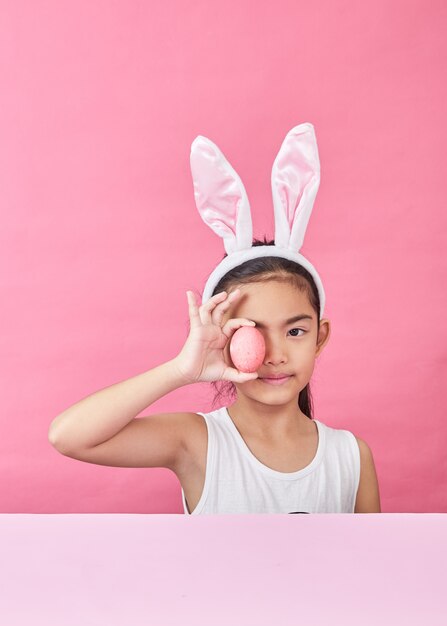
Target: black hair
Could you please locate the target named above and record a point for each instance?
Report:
(263, 269)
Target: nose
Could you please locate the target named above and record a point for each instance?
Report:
(275, 352)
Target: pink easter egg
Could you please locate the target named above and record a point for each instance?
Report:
(247, 349)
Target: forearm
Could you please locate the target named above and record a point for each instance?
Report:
(101, 415)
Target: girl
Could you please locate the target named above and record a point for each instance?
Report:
(265, 453)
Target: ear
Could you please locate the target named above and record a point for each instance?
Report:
(323, 335)
(295, 182)
(220, 196)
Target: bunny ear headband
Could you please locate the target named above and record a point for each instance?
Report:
(223, 204)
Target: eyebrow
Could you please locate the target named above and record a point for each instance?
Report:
(296, 318)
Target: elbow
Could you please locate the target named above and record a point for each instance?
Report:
(54, 436)
(54, 441)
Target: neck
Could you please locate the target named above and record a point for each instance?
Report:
(268, 420)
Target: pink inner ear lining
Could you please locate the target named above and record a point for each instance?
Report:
(214, 219)
(220, 196)
(292, 173)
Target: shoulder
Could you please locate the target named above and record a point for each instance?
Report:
(365, 450)
(192, 460)
(197, 426)
(368, 497)
(195, 435)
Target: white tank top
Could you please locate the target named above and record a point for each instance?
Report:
(237, 482)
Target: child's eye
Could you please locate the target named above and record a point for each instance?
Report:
(296, 335)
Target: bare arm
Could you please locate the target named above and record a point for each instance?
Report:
(368, 496)
(99, 416)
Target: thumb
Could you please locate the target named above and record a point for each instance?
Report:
(241, 377)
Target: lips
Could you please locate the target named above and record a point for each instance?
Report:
(276, 380)
(276, 376)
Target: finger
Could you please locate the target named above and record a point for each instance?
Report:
(234, 323)
(193, 310)
(236, 376)
(223, 307)
(205, 309)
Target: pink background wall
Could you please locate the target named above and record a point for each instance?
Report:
(100, 235)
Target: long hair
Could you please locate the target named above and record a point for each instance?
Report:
(261, 270)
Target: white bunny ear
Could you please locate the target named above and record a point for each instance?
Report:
(295, 182)
(220, 195)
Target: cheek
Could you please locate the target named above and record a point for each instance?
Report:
(308, 367)
(308, 346)
(305, 357)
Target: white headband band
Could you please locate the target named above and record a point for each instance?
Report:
(223, 204)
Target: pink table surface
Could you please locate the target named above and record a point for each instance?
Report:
(95, 569)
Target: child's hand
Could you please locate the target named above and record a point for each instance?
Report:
(202, 357)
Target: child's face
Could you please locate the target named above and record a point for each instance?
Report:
(291, 348)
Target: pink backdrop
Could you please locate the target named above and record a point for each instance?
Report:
(100, 235)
